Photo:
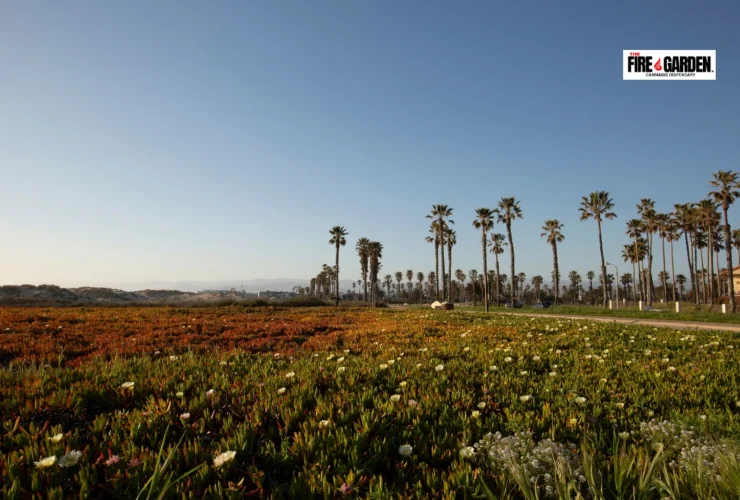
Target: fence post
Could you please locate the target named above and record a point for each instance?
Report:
(610, 304)
(678, 307)
(724, 308)
(639, 305)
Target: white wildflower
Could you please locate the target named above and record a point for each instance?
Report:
(223, 458)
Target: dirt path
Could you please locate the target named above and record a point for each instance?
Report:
(659, 323)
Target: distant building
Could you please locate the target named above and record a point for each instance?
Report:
(269, 294)
(735, 278)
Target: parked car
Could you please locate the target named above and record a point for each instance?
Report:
(542, 305)
(517, 305)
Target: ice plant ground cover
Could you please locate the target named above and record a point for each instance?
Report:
(360, 402)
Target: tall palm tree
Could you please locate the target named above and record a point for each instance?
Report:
(646, 209)
(484, 221)
(507, 211)
(337, 239)
(664, 228)
(626, 280)
(700, 242)
(410, 279)
(473, 275)
(420, 279)
(432, 282)
(537, 284)
(434, 238)
(441, 214)
(681, 280)
(590, 275)
(399, 279)
(497, 244)
(725, 184)
(451, 238)
(388, 282)
(375, 253)
(598, 206)
(709, 218)
(634, 231)
(673, 235)
(683, 214)
(460, 275)
(553, 231)
(362, 251)
(575, 281)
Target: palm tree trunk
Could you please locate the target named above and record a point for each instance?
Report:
(485, 268)
(498, 284)
(728, 256)
(718, 282)
(634, 281)
(513, 276)
(556, 277)
(651, 287)
(449, 264)
(710, 264)
(665, 278)
(444, 279)
(336, 279)
(691, 267)
(673, 273)
(703, 276)
(603, 266)
(436, 267)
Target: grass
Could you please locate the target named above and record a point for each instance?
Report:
(690, 312)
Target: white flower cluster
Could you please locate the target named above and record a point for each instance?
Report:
(519, 453)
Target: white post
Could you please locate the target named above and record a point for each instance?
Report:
(639, 305)
(724, 308)
(610, 304)
(661, 301)
(678, 307)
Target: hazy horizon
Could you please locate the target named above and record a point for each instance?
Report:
(187, 142)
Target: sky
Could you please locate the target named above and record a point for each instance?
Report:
(190, 140)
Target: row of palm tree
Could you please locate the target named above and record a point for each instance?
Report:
(700, 224)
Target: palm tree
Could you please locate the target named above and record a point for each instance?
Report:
(362, 251)
(673, 235)
(598, 206)
(399, 279)
(575, 281)
(725, 193)
(537, 284)
(432, 281)
(420, 278)
(484, 221)
(685, 221)
(375, 253)
(554, 234)
(435, 239)
(451, 237)
(634, 231)
(664, 228)
(410, 279)
(626, 280)
(460, 275)
(590, 275)
(708, 217)
(337, 239)
(388, 282)
(441, 215)
(736, 239)
(473, 275)
(508, 210)
(681, 280)
(646, 209)
(497, 245)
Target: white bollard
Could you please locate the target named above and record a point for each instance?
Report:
(678, 307)
(639, 305)
(724, 308)
(610, 304)
(661, 301)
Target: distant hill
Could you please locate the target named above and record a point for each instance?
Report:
(256, 285)
(52, 295)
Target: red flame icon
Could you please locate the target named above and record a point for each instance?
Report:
(657, 66)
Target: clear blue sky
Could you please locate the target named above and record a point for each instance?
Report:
(190, 140)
